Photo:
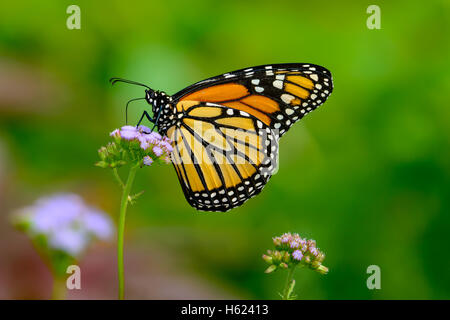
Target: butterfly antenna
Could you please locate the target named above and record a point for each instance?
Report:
(126, 108)
(115, 80)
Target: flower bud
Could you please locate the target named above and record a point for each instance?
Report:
(277, 241)
(322, 269)
(101, 164)
(320, 257)
(267, 258)
(311, 243)
(285, 238)
(271, 269)
(286, 257)
(277, 256)
(102, 152)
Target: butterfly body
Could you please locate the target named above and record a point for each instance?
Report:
(162, 109)
(226, 129)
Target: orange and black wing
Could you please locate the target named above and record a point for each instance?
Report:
(226, 138)
(278, 95)
(222, 156)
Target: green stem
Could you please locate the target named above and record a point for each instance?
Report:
(120, 234)
(119, 180)
(59, 288)
(286, 291)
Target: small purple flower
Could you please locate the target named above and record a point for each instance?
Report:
(129, 132)
(143, 142)
(314, 251)
(67, 222)
(68, 240)
(166, 146)
(148, 161)
(285, 238)
(144, 129)
(297, 255)
(51, 213)
(153, 138)
(158, 151)
(115, 133)
(144, 145)
(294, 244)
(98, 224)
(156, 135)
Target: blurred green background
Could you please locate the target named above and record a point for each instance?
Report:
(367, 175)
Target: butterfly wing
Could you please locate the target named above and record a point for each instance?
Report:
(222, 156)
(279, 95)
(226, 142)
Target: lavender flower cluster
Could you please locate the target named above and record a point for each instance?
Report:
(292, 250)
(65, 222)
(133, 144)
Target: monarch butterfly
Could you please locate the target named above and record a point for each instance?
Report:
(225, 129)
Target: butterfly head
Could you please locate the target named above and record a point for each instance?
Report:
(151, 97)
(157, 99)
(163, 112)
(161, 107)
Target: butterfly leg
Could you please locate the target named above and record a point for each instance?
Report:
(145, 114)
(156, 121)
